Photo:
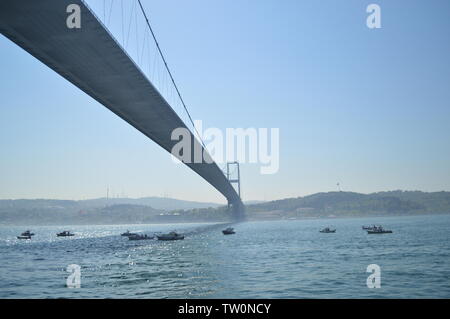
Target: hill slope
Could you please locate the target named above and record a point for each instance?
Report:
(154, 210)
(356, 204)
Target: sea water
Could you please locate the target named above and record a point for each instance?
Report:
(269, 259)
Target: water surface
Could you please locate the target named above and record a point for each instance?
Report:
(276, 259)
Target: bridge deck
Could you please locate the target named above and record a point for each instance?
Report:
(92, 60)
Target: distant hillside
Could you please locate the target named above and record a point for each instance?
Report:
(93, 211)
(355, 204)
(253, 202)
(155, 202)
(134, 211)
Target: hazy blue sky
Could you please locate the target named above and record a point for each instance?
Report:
(367, 108)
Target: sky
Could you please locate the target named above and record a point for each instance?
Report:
(366, 108)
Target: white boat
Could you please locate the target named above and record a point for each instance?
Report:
(23, 237)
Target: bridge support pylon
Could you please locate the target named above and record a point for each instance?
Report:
(237, 207)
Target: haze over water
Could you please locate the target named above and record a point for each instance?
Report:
(276, 259)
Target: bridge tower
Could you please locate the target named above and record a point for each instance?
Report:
(238, 207)
(236, 180)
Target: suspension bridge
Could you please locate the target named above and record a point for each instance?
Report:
(92, 59)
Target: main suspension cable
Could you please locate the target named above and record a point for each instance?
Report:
(170, 73)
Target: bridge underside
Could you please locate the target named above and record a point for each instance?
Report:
(92, 60)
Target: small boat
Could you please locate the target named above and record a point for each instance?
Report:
(170, 236)
(228, 231)
(140, 237)
(128, 234)
(379, 230)
(327, 230)
(23, 237)
(65, 233)
(27, 233)
(369, 227)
